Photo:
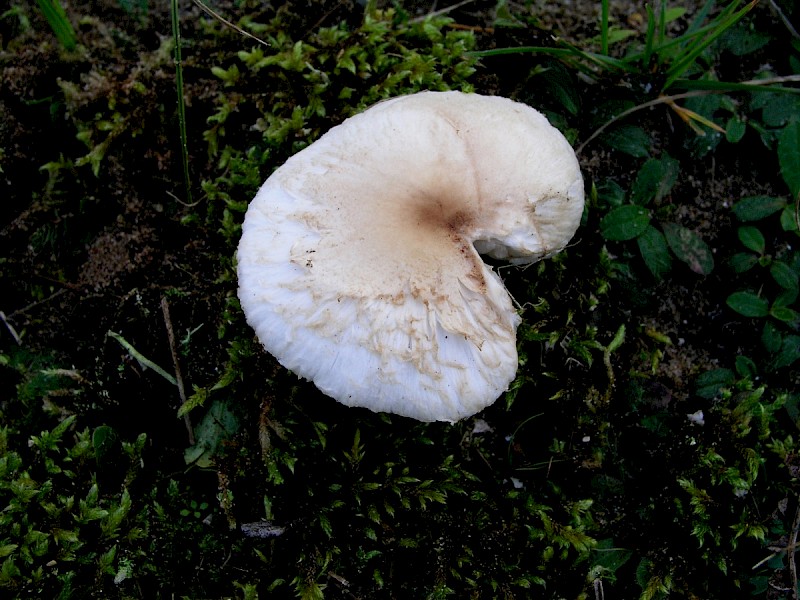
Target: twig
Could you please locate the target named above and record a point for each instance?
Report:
(637, 108)
(224, 21)
(25, 309)
(673, 97)
(441, 11)
(776, 551)
(178, 377)
(186, 204)
(473, 28)
(323, 18)
(11, 329)
(786, 22)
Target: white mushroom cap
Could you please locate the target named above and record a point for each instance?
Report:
(358, 266)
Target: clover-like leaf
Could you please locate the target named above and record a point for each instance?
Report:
(654, 180)
(748, 304)
(625, 223)
(655, 251)
(784, 275)
(629, 139)
(689, 247)
(752, 239)
(743, 261)
(755, 208)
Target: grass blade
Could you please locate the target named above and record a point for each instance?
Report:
(721, 25)
(58, 21)
(176, 37)
(701, 16)
(662, 23)
(569, 51)
(649, 36)
(735, 86)
(143, 360)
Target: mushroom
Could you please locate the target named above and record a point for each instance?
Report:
(359, 264)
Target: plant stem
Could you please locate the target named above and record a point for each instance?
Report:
(227, 23)
(178, 377)
(762, 85)
(176, 36)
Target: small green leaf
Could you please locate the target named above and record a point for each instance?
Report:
(789, 352)
(624, 223)
(611, 193)
(752, 239)
(198, 398)
(743, 261)
(709, 383)
(619, 338)
(755, 208)
(9, 572)
(748, 304)
(789, 156)
(784, 275)
(91, 514)
(655, 252)
(674, 13)
(786, 298)
(629, 139)
(64, 536)
(785, 314)
(735, 129)
(610, 556)
(116, 515)
(743, 39)
(745, 367)
(229, 76)
(346, 62)
(771, 338)
(616, 35)
(689, 247)
(325, 524)
(789, 219)
(218, 424)
(654, 180)
(779, 109)
(557, 81)
(106, 561)
(104, 442)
